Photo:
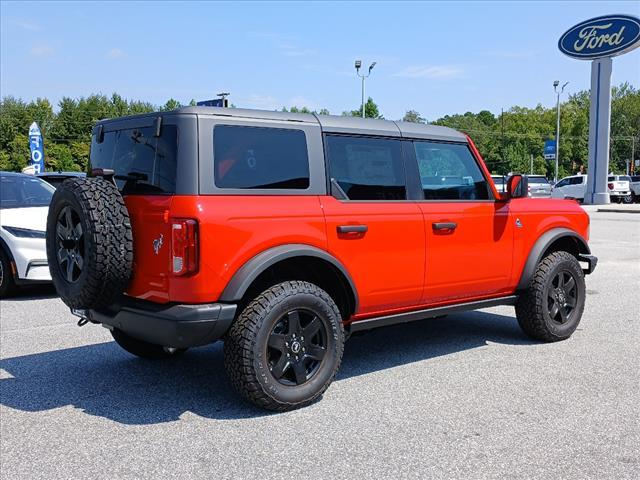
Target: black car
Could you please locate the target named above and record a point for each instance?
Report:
(56, 178)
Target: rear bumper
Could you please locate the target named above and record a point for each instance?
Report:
(179, 326)
(591, 262)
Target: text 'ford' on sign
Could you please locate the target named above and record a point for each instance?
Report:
(599, 37)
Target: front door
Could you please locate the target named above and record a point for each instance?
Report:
(469, 235)
(374, 230)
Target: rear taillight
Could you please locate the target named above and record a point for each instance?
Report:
(184, 246)
(610, 185)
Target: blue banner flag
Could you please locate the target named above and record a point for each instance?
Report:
(37, 148)
(550, 149)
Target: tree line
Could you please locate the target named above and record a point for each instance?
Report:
(508, 141)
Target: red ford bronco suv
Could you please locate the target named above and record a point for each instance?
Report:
(283, 233)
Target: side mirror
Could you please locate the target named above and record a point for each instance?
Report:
(518, 186)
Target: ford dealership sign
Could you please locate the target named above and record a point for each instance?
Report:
(600, 37)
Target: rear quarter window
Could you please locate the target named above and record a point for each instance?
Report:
(260, 158)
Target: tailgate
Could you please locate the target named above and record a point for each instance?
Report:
(151, 246)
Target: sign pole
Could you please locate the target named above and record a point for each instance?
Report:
(599, 132)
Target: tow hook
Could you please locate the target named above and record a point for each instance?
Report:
(82, 314)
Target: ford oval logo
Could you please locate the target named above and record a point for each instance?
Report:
(599, 37)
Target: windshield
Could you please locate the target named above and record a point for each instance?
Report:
(24, 191)
(541, 180)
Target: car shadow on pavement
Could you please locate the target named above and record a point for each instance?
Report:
(34, 292)
(105, 381)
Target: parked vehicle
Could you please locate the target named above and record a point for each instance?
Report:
(619, 188)
(24, 203)
(572, 187)
(283, 233)
(635, 187)
(500, 181)
(539, 186)
(56, 178)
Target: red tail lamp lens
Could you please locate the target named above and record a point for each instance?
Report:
(184, 246)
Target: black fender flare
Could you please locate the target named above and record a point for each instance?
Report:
(540, 247)
(245, 275)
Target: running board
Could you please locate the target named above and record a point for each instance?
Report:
(428, 313)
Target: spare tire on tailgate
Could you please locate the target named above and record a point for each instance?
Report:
(89, 242)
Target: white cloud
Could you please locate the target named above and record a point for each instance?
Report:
(115, 53)
(284, 44)
(41, 51)
(433, 71)
(34, 27)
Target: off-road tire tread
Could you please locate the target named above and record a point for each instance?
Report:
(109, 258)
(240, 344)
(529, 307)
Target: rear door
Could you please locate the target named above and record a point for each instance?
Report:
(469, 235)
(374, 230)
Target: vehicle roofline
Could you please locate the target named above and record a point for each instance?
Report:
(328, 123)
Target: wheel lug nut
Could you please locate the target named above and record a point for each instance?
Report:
(288, 355)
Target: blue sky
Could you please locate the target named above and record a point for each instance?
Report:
(437, 58)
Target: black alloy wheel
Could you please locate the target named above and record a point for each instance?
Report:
(70, 243)
(296, 347)
(562, 297)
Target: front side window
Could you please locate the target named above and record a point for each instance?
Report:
(259, 157)
(367, 168)
(449, 172)
(562, 183)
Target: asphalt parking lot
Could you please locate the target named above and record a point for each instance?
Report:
(467, 396)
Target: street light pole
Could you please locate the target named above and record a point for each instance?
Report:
(555, 89)
(358, 64)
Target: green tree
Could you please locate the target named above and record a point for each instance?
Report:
(370, 111)
(171, 104)
(413, 117)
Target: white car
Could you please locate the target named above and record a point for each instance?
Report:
(570, 187)
(500, 182)
(619, 188)
(24, 204)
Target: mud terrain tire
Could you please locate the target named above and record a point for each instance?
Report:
(89, 243)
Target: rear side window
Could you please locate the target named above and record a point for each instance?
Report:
(260, 158)
(449, 172)
(575, 181)
(538, 180)
(142, 162)
(367, 168)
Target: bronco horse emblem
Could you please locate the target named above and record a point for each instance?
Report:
(157, 244)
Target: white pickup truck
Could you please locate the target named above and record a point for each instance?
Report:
(620, 188)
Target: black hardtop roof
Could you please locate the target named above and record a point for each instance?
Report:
(328, 123)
